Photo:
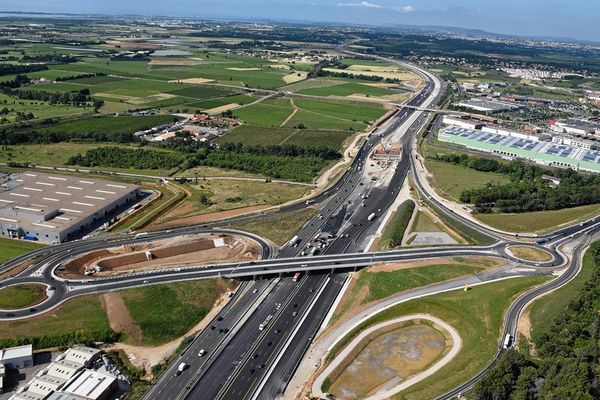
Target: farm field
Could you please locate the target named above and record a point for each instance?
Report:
(108, 124)
(344, 89)
(250, 135)
(40, 110)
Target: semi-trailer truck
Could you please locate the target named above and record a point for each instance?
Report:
(507, 341)
(294, 241)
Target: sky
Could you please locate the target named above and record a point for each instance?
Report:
(578, 19)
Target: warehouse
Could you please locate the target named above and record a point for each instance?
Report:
(92, 385)
(53, 208)
(487, 105)
(508, 146)
(17, 357)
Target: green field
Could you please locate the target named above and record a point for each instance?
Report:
(476, 314)
(80, 320)
(21, 296)
(11, 248)
(109, 124)
(349, 111)
(278, 228)
(57, 154)
(539, 221)
(250, 135)
(166, 312)
(451, 180)
(264, 114)
(348, 89)
(209, 104)
(40, 109)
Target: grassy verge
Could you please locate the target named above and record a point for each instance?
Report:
(11, 248)
(227, 194)
(166, 312)
(278, 228)
(371, 285)
(81, 320)
(20, 296)
(543, 311)
(394, 231)
(477, 315)
(539, 221)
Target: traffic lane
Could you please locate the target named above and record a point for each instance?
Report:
(275, 334)
(277, 382)
(219, 371)
(208, 341)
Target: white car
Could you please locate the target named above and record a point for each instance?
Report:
(201, 352)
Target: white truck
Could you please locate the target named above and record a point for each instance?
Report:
(180, 368)
(294, 241)
(372, 216)
(507, 341)
(141, 235)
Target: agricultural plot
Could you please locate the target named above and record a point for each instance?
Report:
(108, 125)
(250, 135)
(240, 100)
(265, 114)
(314, 120)
(10, 106)
(350, 89)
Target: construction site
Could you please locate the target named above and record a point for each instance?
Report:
(161, 254)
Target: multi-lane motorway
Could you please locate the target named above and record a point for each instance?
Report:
(236, 358)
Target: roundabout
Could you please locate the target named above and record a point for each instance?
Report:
(22, 295)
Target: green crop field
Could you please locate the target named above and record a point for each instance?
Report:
(11, 248)
(40, 109)
(348, 89)
(355, 112)
(264, 114)
(313, 120)
(250, 135)
(240, 99)
(202, 92)
(109, 124)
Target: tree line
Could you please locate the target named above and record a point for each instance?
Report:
(528, 190)
(568, 354)
(10, 69)
(79, 76)
(117, 157)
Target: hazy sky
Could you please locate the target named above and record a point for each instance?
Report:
(565, 18)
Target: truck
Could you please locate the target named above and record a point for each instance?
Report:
(141, 235)
(297, 276)
(294, 241)
(371, 216)
(314, 251)
(180, 368)
(264, 324)
(507, 341)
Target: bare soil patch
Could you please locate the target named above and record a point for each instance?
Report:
(192, 80)
(199, 219)
(530, 253)
(487, 262)
(118, 316)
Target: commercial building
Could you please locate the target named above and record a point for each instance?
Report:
(17, 357)
(508, 146)
(83, 355)
(574, 126)
(45, 384)
(487, 105)
(463, 123)
(64, 369)
(54, 208)
(92, 385)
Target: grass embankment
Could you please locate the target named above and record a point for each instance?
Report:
(161, 312)
(394, 231)
(477, 315)
(21, 296)
(227, 194)
(539, 221)
(278, 228)
(166, 312)
(11, 248)
(372, 285)
(530, 253)
(545, 309)
(451, 180)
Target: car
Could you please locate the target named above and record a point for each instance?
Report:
(220, 318)
(50, 288)
(261, 366)
(201, 352)
(32, 309)
(294, 313)
(223, 330)
(277, 331)
(10, 315)
(212, 327)
(255, 356)
(252, 371)
(269, 343)
(146, 282)
(255, 291)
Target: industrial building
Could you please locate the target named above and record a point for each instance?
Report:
(54, 208)
(487, 105)
(538, 149)
(17, 357)
(92, 385)
(575, 126)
